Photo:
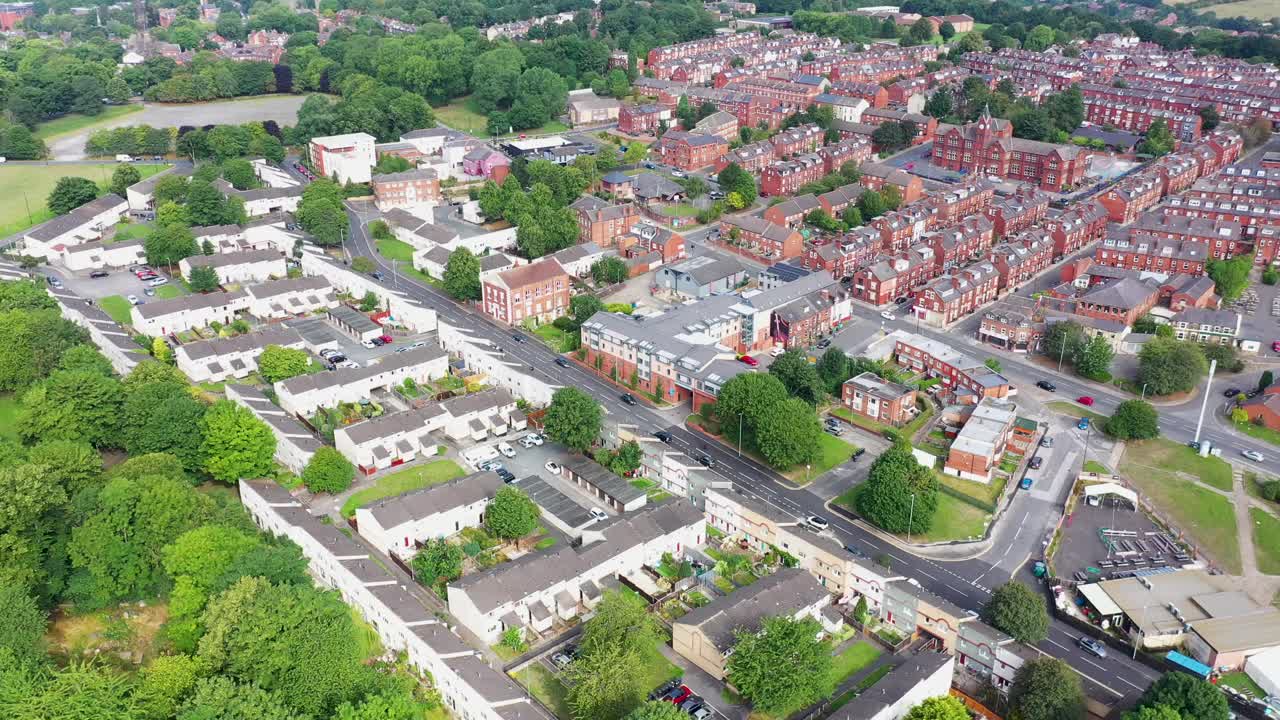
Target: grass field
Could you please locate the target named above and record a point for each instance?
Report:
(73, 122)
(1170, 457)
(117, 307)
(1204, 514)
(131, 231)
(987, 493)
(8, 416)
(25, 187)
(1252, 9)
(1077, 410)
(462, 114)
(172, 290)
(1094, 466)
(1266, 540)
(418, 476)
(554, 337)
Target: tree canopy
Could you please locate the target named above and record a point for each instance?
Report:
(328, 471)
(1133, 420)
(573, 418)
(511, 514)
(1188, 696)
(886, 499)
(781, 666)
(1018, 611)
(1047, 689)
(1168, 366)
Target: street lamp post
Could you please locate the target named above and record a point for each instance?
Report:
(1144, 391)
(739, 434)
(911, 516)
(1062, 353)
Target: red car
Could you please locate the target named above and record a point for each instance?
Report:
(1275, 346)
(1085, 400)
(683, 694)
(385, 338)
(748, 360)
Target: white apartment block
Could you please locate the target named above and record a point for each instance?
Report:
(295, 444)
(305, 394)
(290, 297)
(395, 525)
(113, 341)
(97, 255)
(470, 688)
(234, 357)
(348, 158)
(405, 311)
(535, 589)
(84, 224)
(163, 317)
(239, 267)
(383, 442)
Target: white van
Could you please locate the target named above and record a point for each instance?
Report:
(477, 456)
(506, 450)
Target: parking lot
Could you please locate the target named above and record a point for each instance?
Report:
(1109, 538)
(117, 282)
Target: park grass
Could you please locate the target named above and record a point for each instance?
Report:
(117, 307)
(393, 249)
(546, 687)
(24, 187)
(74, 122)
(172, 290)
(462, 114)
(1266, 540)
(1171, 458)
(679, 210)
(418, 476)
(1252, 9)
(1077, 410)
(9, 407)
(1204, 514)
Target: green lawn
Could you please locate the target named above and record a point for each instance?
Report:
(546, 687)
(75, 121)
(1242, 683)
(462, 114)
(985, 493)
(418, 476)
(1207, 516)
(833, 451)
(554, 337)
(679, 210)
(9, 416)
(954, 520)
(1172, 457)
(393, 249)
(1077, 410)
(117, 307)
(172, 290)
(1094, 466)
(1259, 431)
(23, 189)
(131, 231)
(854, 658)
(1266, 540)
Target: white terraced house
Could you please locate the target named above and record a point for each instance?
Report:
(396, 524)
(164, 317)
(291, 297)
(239, 267)
(305, 394)
(223, 358)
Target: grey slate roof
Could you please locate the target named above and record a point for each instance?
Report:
(187, 303)
(234, 258)
(783, 593)
(425, 502)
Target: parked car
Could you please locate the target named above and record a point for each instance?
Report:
(886, 315)
(1085, 400)
(1036, 462)
(824, 343)
(748, 360)
(1026, 483)
(598, 514)
(691, 702)
(552, 467)
(834, 422)
(857, 454)
(777, 350)
(506, 450)
(562, 362)
(663, 435)
(834, 430)
(628, 398)
(1083, 424)
(1093, 647)
(98, 274)
(491, 466)
(1231, 392)
(1047, 386)
(517, 337)
(817, 522)
(349, 364)
(662, 689)
(1046, 441)
(133, 300)
(506, 475)
(149, 292)
(678, 174)
(157, 282)
(1275, 346)
(681, 694)
(367, 344)
(53, 281)
(560, 660)
(1253, 455)
(328, 352)
(386, 339)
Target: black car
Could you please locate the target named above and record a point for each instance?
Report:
(706, 460)
(857, 454)
(99, 274)
(663, 689)
(901, 301)
(1036, 462)
(376, 274)
(1047, 386)
(663, 435)
(1231, 392)
(517, 337)
(507, 476)
(562, 362)
(824, 343)
(628, 398)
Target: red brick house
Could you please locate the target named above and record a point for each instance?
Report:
(873, 92)
(844, 255)
(893, 276)
(1122, 301)
(955, 245)
(973, 197)
(1177, 173)
(1017, 212)
(1223, 237)
(719, 123)
(757, 237)
(1130, 197)
(960, 373)
(645, 238)
(690, 152)
(903, 228)
(753, 158)
(1265, 408)
(988, 147)
(926, 126)
(792, 212)
(950, 297)
(841, 199)
(876, 175)
(538, 291)
(1022, 257)
(1079, 225)
(410, 188)
(601, 222)
(786, 177)
(834, 157)
(1141, 251)
(1008, 330)
(879, 400)
(796, 140)
(643, 119)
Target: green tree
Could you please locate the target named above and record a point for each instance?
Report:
(122, 177)
(22, 625)
(734, 179)
(24, 295)
(628, 458)
(1145, 324)
(573, 418)
(164, 682)
(1018, 611)
(1153, 712)
(921, 30)
(220, 697)
(944, 707)
(1047, 689)
(70, 193)
(163, 417)
(236, 443)
(787, 435)
(609, 271)
(511, 514)
(871, 205)
(939, 104)
(239, 172)
(71, 465)
(900, 495)
(1209, 118)
(1133, 420)
(834, 368)
(398, 704)
(607, 679)
(328, 471)
(1040, 38)
(462, 275)
(369, 302)
(1159, 141)
(292, 640)
(635, 153)
(203, 279)
(781, 666)
(277, 363)
(1168, 366)
(1265, 380)
(1094, 359)
(799, 376)
(437, 561)
(34, 342)
(321, 212)
(205, 205)
(745, 400)
(1064, 340)
(657, 710)
(168, 244)
(73, 405)
(1230, 277)
(1189, 696)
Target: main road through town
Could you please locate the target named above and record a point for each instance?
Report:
(1115, 678)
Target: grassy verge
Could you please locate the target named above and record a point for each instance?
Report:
(832, 451)
(546, 687)
(117, 307)
(1204, 514)
(954, 519)
(984, 493)
(1242, 683)
(71, 123)
(393, 249)
(172, 290)
(419, 476)
(463, 114)
(1076, 410)
(1258, 431)
(1094, 466)
(1266, 540)
(554, 337)
(1171, 457)
(131, 231)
